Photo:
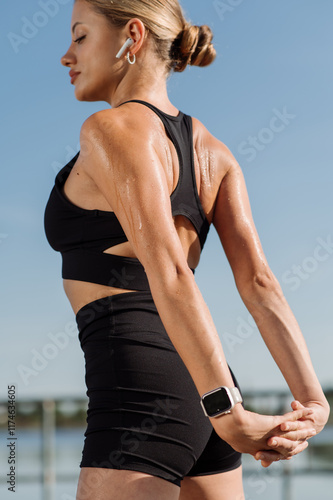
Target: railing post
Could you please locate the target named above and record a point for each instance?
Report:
(48, 449)
(286, 482)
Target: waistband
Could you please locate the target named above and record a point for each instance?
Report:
(114, 304)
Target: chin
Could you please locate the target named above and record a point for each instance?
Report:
(86, 96)
(83, 96)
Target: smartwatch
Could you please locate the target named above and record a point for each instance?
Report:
(220, 401)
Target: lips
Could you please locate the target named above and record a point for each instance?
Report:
(73, 75)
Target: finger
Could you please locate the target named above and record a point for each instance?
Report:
(288, 448)
(296, 431)
(304, 428)
(299, 434)
(296, 405)
(292, 426)
(268, 457)
(298, 415)
(265, 464)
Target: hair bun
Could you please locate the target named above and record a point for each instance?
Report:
(193, 46)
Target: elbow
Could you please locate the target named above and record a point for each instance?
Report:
(169, 276)
(178, 273)
(260, 288)
(266, 281)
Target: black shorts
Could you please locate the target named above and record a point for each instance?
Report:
(144, 410)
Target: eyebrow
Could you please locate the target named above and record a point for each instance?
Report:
(74, 26)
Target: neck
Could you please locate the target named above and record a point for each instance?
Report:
(140, 84)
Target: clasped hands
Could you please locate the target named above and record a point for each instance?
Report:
(270, 438)
(291, 436)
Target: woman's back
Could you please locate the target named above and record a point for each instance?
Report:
(192, 163)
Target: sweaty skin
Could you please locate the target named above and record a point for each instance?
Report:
(123, 167)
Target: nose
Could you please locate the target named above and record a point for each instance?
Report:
(68, 58)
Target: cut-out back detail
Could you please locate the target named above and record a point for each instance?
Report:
(82, 236)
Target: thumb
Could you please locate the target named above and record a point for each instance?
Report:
(296, 405)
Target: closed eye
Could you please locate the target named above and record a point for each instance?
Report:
(79, 40)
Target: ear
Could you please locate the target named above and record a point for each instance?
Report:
(136, 30)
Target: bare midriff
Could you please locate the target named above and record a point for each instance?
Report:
(80, 293)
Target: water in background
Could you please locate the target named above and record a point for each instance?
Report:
(259, 484)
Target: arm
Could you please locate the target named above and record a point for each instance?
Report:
(262, 295)
(134, 183)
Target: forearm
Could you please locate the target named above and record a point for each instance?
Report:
(190, 327)
(284, 339)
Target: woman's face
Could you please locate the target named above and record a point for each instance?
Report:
(91, 56)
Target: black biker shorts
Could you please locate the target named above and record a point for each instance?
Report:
(144, 410)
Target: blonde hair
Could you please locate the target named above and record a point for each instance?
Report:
(177, 42)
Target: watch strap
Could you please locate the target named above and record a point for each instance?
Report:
(236, 395)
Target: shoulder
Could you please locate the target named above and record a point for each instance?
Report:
(113, 124)
(118, 144)
(205, 142)
(112, 137)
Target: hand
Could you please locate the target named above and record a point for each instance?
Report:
(295, 434)
(320, 414)
(291, 438)
(249, 432)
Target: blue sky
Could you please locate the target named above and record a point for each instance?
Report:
(268, 97)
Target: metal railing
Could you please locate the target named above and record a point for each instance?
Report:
(47, 411)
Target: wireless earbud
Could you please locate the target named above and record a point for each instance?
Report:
(129, 42)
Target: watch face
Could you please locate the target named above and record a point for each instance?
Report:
(217, 402)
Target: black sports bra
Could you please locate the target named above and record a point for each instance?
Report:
(83, 235)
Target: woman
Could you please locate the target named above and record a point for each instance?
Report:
(130, 215)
